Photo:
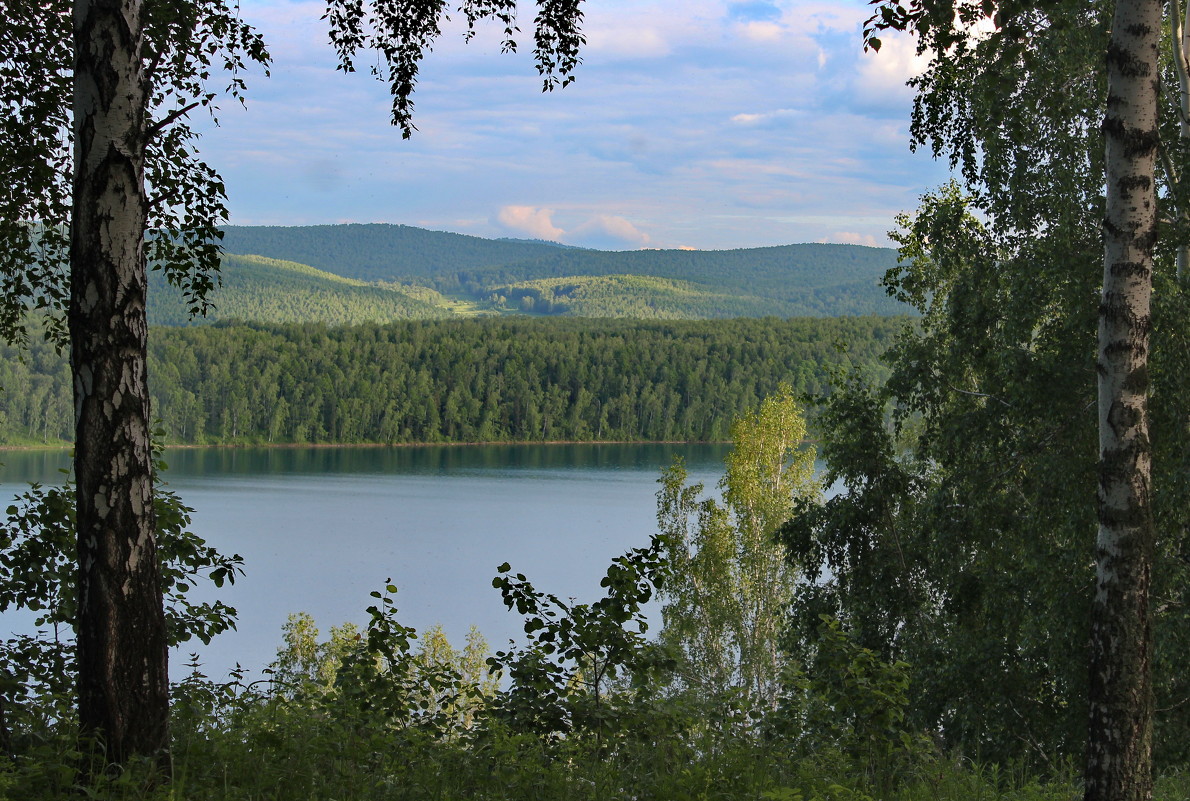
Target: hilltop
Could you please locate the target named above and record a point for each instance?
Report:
(376, 273)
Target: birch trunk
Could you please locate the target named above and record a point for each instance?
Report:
(1180, 40)
(122, 685)
(1119, 746)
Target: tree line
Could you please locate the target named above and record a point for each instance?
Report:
(510, 379)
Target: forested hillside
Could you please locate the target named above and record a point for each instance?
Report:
(821, 279)
(490, 379)
(636, 296)
(792, 280)
(272, 290)
(380, 252)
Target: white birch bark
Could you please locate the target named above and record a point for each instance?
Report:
(122, 682)
(1120, 741)
(1179, 25)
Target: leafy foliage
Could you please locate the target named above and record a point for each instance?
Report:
(186, 45)
(401, 32)
(1002, 378)
(37, 570)
(237, 739)
(725, 603)
(963, 544)
(38, 574)
(562, 677)
(851, 700)
(35, 169)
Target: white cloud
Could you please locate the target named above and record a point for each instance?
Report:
(853, 238)
(882, 74)
(767, 116)
(604, 231)
(627, 41)
(610, 230)
(749, 119)
(763, 31)
(535, 222)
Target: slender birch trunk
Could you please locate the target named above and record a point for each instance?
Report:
(1179, 26)
(1121, 703)
(122, 685)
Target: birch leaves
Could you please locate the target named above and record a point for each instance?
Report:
(725, 603)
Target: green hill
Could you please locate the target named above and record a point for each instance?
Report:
(803, 280)
(381, 252)
(813, 280)
(787, 267)
(634, 296)
(263, 289)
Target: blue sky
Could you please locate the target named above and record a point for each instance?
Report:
(701, 123)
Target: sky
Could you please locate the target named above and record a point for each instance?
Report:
(708, 124)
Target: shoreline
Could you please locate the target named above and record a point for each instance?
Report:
(279, 445)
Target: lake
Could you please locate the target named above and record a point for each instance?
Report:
(320, 528)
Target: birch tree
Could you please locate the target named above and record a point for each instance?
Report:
(1057, 144)
(123, 682)
(101, 179)
(724, 605)
(95, 101)
(1121, 698)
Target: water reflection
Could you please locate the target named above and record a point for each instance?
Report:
(320, 528)
(46, 466)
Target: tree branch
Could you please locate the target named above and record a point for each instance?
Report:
(157, 202)
(169, 119)
(979, 395)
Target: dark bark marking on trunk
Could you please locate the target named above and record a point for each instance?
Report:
(123, 685)
(1120, 714)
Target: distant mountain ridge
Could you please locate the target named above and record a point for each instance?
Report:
(378, 251)
(378, 272)
(815, 280)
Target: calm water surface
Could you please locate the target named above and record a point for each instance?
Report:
(320, 528)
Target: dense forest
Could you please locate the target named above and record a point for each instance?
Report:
(491, 379)
(349, 274)
(636, 296)
(274, 291)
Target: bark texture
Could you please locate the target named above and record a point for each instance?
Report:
(123, 686)
(1121, 703)
(1179, 26)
